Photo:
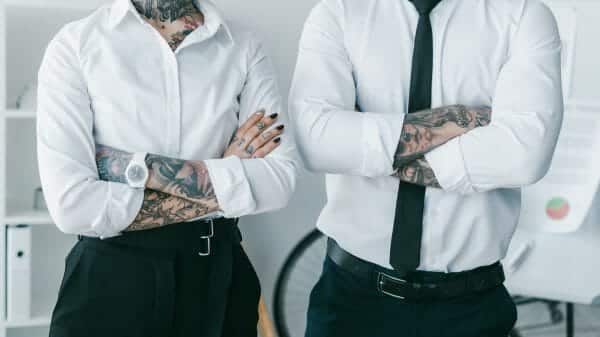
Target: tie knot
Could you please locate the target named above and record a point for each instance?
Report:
(424, 7)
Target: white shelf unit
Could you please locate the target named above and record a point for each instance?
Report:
(26, 27)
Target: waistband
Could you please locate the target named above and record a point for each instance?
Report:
(178, 236)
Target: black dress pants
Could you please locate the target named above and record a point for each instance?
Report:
(342, 304)
(155, 284)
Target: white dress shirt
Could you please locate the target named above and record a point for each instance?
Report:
(504, 54)
(111, 79)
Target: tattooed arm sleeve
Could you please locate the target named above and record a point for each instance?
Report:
(177, 190)
(424, 131)
(160, 209)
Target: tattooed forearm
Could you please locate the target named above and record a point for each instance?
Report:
(185, 179)
(418, 172)
(112, 163)
(189, 180)
(161, 209)
(425, 130)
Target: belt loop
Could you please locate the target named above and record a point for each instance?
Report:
(207, 238)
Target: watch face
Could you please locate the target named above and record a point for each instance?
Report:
(136, 173)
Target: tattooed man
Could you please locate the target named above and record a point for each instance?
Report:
(428, 117)
(159, 124)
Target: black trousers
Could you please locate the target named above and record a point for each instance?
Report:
(154, 284)
(342, 304)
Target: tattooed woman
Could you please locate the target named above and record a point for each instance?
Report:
(160, 123)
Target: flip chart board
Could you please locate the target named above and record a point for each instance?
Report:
(554, 253)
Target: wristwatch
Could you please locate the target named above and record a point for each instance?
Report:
(136, 173)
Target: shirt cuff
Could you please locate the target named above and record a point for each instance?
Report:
(380, 136)
(124, 205)
(447, 162)
(232, 189)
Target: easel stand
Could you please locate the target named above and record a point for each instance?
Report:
(570, 320)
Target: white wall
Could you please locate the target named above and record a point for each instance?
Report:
(270, 237)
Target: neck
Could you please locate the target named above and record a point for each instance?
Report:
(165, 10)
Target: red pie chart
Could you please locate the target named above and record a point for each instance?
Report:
(557, 208)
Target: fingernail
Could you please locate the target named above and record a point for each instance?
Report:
(273, 116)
(281, 127)
(277, 140)
(260, 112)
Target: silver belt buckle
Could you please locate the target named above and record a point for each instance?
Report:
(207, 238)
(381, 282)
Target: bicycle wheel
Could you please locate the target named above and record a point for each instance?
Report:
(300, 272)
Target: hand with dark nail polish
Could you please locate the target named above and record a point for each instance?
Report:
(255, 138)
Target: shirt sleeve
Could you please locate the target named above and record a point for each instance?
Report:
(78, 201)
(516, 149)
(333, 137)
(251, 186)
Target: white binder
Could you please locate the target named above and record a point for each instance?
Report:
(18, 276)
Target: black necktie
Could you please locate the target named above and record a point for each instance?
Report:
(408, 222)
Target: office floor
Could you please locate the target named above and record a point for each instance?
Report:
(587, 321)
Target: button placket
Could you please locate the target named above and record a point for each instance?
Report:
(173, 103)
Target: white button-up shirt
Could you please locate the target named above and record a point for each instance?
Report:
(112, 79)
(504, 54)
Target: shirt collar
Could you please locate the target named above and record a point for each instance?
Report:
(213, 19)
(118, 11)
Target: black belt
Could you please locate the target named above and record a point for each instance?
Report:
(197, 235)
(418, 285)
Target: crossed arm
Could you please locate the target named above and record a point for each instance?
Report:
(424, 131)
(337, 139)
(179, 190)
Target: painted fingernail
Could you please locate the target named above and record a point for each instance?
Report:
(281, 127)
(273, 116)
(277, 140)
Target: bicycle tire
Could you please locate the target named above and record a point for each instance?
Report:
(281, 321)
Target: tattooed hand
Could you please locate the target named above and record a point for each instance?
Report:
(418, 172)
(425, 130)
(254, 139)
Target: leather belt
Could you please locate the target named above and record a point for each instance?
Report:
(196, 235)
(418, 285)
